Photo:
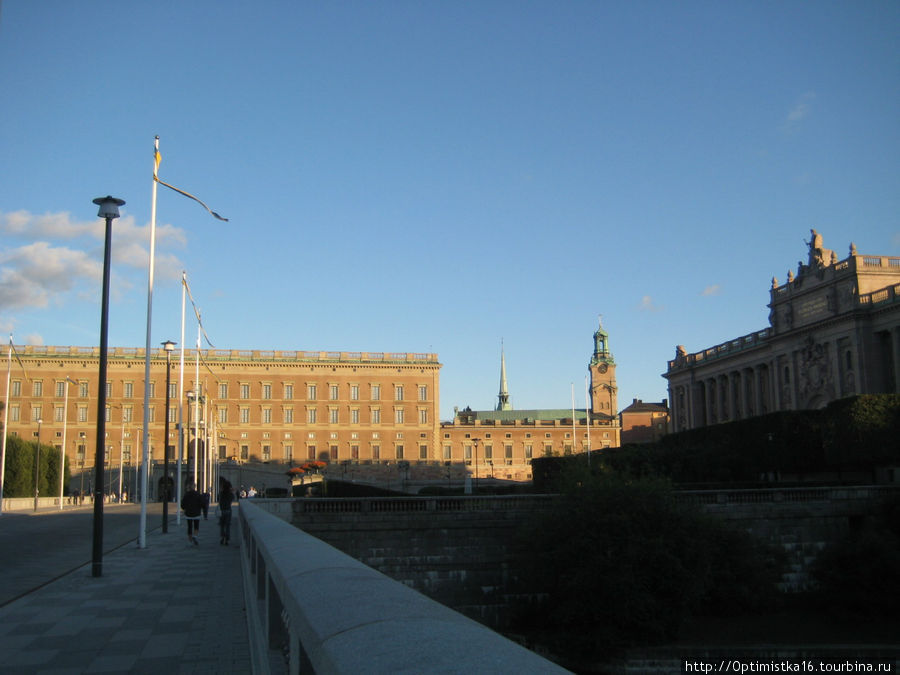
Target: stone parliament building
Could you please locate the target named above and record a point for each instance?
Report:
(834, 331)
(368, 416)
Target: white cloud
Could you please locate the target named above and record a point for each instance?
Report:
(799, 111)
(714, 289)
(44, 273)
(49, 226)
(34, 273)
(647, 305)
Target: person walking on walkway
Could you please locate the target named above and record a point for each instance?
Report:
(226, 497)
(192, 505)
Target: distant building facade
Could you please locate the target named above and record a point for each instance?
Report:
(263, 406)
(644, 422)
(501, 443)
(367, 415)
(834, 331)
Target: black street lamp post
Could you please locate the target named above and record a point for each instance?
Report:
(168, 345)
(109, 209)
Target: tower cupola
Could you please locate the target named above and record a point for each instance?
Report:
(601, 347)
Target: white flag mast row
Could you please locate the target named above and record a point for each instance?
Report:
(157, 158)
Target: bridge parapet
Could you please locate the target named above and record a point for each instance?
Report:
(332, 614)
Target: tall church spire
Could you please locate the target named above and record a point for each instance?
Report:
(503, 397)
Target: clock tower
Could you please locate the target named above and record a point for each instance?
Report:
(604, 392)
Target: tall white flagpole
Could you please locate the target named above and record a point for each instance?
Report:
(197, 408)
(178, 487)
(145, 451)
(587, 410)
(5, 422)
(62, 455)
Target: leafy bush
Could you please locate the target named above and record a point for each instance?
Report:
(859, 433)
(621, 562)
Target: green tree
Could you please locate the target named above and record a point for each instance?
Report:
(621, 562)
(19, 469)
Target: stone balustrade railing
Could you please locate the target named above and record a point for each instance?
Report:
(329, 613)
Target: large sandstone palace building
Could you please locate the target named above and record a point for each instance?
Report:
(834, 331)
(364, 414)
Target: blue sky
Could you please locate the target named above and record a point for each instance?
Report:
(441, 176)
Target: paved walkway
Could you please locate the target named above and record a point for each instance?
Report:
(168, 608)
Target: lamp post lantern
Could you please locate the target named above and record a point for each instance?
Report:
(109, 210)
(168, 345)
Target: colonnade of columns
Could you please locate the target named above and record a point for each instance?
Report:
(787, 380)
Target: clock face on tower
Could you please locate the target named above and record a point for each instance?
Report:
(603, 367)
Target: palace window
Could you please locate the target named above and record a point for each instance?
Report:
(311, 392)
(376, 392)
(423, 392)
(223, 390)
(288, 392)
(267, 391)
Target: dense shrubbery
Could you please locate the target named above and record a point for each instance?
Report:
(622, 563)
(19, 469)
(858, 433)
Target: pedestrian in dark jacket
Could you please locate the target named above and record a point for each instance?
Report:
(226, 497)
(192, 505)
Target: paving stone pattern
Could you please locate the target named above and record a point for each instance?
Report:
(168, 608)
